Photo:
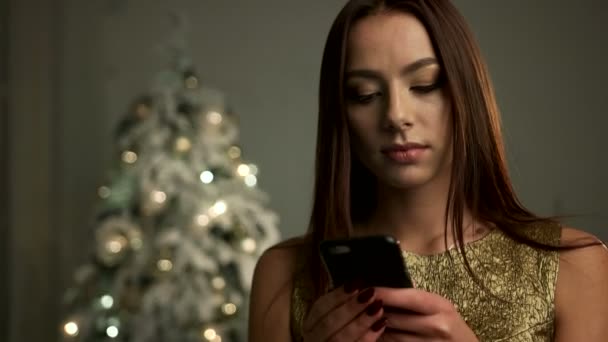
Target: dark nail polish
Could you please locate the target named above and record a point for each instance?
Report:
(366, 295)
(374, 307)
(381, 323)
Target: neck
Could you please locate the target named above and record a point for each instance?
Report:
(417, 218)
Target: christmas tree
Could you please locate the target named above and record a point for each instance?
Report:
(180, 223)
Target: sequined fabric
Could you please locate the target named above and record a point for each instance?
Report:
(516, 301)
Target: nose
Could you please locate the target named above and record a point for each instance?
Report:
(398, 114)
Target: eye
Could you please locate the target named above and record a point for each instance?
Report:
(425, 89)
(359, 98)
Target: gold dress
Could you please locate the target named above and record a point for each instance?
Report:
(517, 303)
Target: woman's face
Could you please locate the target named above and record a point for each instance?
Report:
(398, 111)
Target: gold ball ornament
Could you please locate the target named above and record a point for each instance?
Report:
(115, 237)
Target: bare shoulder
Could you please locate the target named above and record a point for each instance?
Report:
(271, 292)
(581, 297)
(584, 259)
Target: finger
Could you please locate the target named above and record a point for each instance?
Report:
(390, 335)
(368, 326)
(327, 303)
(374, 333)
(350, 319)
(413, 300)
(423, 325)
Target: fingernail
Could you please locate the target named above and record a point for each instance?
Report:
(381, 323)
(366, 295)
(374, 307)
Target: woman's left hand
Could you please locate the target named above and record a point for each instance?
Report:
(417, 315)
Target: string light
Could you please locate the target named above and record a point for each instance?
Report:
(243, 170)
(218, 209)
(218, 283)
(229, 309)
(202, 220)
(251, 180)
(164, 265)
(209, 334)
(107, 301)
(112, 331)
(206, 177)
(182, 144)
(214, 118)
(158, 196)
(116, 244)
(248, 245)
(129, 157)
(71, 328)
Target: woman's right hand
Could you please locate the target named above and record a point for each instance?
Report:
(345, 314)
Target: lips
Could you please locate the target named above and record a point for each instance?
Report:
(404, 153)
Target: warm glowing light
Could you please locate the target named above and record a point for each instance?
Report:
(164, 265)
(206, 177)
(71, 328)
(218, 209)
(129, 157)
(214, 118)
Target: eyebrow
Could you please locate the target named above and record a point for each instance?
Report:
(408, 69)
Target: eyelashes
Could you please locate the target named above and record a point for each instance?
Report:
(356, 97)
(426, 88)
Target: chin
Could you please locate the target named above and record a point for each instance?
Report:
(406, 180)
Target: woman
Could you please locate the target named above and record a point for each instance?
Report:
(409, 145)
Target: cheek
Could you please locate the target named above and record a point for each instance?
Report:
(358, 140)
(362, 126)
(362, 139)
(437, 118)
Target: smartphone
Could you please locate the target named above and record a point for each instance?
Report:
(371, 260)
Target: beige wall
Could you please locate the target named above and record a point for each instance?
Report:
(4, 243)
(32, 246)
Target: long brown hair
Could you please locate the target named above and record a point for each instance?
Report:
(479, 179)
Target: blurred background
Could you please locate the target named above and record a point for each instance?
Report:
(69, 70)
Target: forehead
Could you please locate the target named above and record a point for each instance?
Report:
(387, 38)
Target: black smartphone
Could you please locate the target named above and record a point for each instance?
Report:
(371, 260)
